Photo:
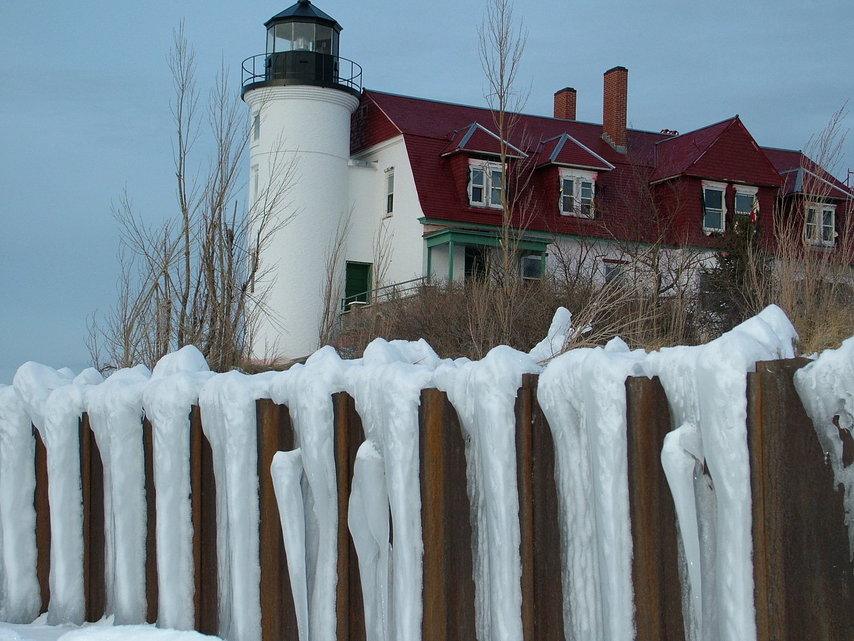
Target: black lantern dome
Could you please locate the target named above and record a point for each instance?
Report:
(302, 49)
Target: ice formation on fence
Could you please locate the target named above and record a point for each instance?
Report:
(62, 411)
(227, 404)
(115, 415)
(168, 400)
(705, 387)
(484, 394)
(19, 588)
(307, 391)
(581, 392)
(826, 388)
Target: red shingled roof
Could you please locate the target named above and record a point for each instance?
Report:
(803, 175)
(440, 136)
(723, 151)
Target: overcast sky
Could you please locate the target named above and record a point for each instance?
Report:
(84, 106)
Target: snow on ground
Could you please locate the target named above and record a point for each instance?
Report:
(101, 631)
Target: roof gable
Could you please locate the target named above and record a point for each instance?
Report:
(803, 175)
(566, 151)
(477, 139)
(723, 151)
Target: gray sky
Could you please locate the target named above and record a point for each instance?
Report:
(84, 106)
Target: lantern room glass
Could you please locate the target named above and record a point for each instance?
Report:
(302, 36)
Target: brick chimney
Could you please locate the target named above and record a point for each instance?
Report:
(614, 107)
(565, 103)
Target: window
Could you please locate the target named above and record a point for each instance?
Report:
(714, 207)
(256, 187)
(820, 224)
(531, 267)
(485, 185)
(613, 272)
(576, 195)
(256, 126)
(389, 191)
(746, 203)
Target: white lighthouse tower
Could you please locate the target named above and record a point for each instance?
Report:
(300, 95)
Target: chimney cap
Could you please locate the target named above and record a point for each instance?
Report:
(617, 68)
(559, 91)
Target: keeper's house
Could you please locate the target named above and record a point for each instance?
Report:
(413, 187)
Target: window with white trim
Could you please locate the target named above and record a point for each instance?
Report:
(389, 192)
(485, 184)
(746, 203)
(820, 224)
(714, 207)
(256, 126)
(576, 194)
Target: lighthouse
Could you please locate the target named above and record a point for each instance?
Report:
(300, 95)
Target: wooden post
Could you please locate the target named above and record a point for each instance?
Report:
(449, 591)
(803, 575)
(151, 587)
(92, 484)
(278, 613)
(349, 606)
(542, 590)
(41, 503)
(203, 507)
(655, 570)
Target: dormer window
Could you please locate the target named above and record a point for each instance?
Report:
(485, 184)
(820, 224)
(577, 189)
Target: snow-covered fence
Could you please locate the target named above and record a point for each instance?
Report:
(405, 497)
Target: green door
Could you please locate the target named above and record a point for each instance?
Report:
(357, 283)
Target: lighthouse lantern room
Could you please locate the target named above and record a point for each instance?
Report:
(302, 49)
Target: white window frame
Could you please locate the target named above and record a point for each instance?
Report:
(573, 204)
(389, 193)
(490, 193)
(714, 186)
(820, 232)
(748, 192)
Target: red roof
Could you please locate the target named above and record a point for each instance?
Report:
(803, 175)
(439, 135)
(724, 151)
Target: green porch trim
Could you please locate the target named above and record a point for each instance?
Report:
(550, 237)
(468, 237)
(486, 239)
(546, 237)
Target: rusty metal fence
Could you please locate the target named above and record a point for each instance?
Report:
(803, 575)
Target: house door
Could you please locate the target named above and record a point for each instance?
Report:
(357, 283)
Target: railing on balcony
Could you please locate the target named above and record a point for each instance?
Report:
(382, 294)
(301, 68)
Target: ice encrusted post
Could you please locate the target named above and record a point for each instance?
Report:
(582, 393)
(19, 588)
(706, 387)
(115, 415)
(484, 395)
(168, 399)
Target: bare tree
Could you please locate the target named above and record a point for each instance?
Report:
(194, 279)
